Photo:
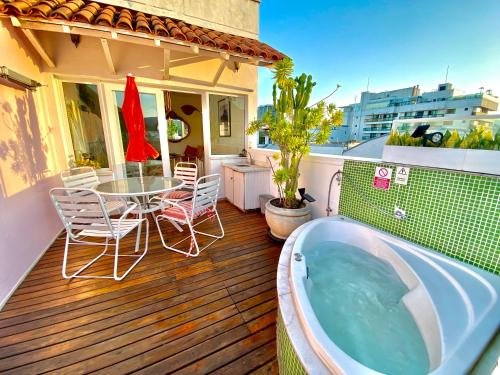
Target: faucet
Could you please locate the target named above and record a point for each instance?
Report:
(252, 160)
(328, 207)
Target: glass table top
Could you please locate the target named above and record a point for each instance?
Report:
(139, 186)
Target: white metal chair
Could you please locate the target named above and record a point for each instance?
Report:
(204, 202)
(86, 178)
(187, 172)
(84, 215)
(81, 177)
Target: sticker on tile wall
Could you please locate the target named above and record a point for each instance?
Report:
(402, 174)
(382, 179)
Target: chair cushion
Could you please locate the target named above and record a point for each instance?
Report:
(175, 213)
(190, 151)
(178, 194)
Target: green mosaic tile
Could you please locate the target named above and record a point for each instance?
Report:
(288, 361)
(454, 213)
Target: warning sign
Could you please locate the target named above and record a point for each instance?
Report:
(402, 174)
(382, 179)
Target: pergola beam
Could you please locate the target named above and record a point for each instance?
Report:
(34, 42)
(189, 60)
(166, 64)
(107, 55)
(219, 72)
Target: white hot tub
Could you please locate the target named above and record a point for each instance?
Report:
(348, 292)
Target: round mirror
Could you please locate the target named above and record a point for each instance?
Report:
(177, 128)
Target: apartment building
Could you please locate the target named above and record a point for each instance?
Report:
(372, 117)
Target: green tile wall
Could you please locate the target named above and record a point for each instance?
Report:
(288, 361)
(454, 213)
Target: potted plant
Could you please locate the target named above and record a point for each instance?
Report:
(293, 126)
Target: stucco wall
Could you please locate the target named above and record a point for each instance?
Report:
(29, 165)
(240, 17)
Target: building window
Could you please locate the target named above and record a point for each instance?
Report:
(85, 125)
(450, 111)
(466, 108)
(227, 124)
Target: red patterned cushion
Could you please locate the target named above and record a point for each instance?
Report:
(177, 213)
(190, 151)
(178, 194)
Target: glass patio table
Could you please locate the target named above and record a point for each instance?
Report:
(140, 189)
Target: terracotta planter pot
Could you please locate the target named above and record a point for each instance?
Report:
(283, 221)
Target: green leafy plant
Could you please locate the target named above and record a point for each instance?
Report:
(294, 125)
(87, 161)
(172, 129)
(479, 137)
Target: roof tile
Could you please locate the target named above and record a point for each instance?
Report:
(106, 17)
(96, 13)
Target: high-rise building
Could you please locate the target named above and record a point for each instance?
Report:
(264, 134)
(262, 109)
(372, 117)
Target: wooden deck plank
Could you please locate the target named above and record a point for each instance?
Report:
(171, 314)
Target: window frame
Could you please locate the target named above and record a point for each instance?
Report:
(63, 116)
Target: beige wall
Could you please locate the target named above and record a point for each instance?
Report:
(195, 138)
(240, 17)
(31, 156)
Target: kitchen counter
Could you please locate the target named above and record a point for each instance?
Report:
(246, 168)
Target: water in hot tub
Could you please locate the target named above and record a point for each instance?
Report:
(357, 300)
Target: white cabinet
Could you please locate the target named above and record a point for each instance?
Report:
(228, 184)
(243, 188)
(239, 190)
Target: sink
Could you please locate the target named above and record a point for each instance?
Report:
(242, 165)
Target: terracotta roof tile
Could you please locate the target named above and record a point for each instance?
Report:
(106, 17)
(122, 18)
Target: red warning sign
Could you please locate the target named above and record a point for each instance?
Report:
(382, 178)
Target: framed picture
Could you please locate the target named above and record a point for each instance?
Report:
(224, 117)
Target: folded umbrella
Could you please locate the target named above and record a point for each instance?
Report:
(138, 148)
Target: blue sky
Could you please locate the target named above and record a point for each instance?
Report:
(397, 43)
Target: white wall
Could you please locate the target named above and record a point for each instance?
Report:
(315, 174)
(30, 160)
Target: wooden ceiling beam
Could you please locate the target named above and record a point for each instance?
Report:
(189, 60)
(166, 64)
(219, 72)
(107, 56)
(34, 42)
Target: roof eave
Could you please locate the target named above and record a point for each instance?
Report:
(135, 37)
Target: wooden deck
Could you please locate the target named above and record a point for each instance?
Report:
(171, 314)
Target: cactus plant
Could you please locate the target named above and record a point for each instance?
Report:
(294, 125)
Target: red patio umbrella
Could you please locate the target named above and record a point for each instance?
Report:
(138, 148)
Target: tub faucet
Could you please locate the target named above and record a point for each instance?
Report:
(328, 207)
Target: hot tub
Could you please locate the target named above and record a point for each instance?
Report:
(354, 300)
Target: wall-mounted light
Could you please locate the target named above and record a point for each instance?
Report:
(18, 79)
(75, 39)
